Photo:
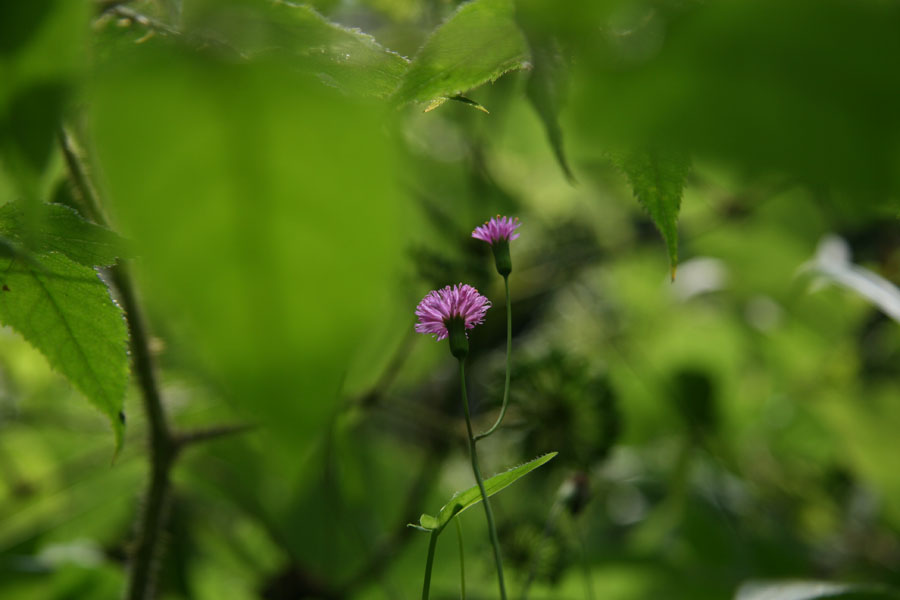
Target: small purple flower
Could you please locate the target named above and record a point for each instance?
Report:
(497, 229)
(439, 307)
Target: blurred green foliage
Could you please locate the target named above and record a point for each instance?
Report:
(287, 202)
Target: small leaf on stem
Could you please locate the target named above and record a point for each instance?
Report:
(472, 496)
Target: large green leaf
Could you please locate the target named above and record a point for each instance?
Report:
(65, 311)
(657, 179)
(271, 236)
(44, 228)
(479, 43)
(472, 496)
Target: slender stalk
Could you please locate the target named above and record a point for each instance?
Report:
(188, 438)
(492, 530)
(502, 414)
(462, 560)
(429, 563)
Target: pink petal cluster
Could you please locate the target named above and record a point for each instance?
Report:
(439, 306)
(497, 229)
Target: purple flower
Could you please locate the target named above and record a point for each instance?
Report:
(439, 307)
(497, 229)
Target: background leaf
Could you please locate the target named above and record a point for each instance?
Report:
(472, 496)
(657, 180)
(479, 43)
(749, 84)
(65, 311)
(545, 90)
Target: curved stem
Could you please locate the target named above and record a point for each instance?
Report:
(492, 530)
(462, 561)
(502, 414)
(429, 563)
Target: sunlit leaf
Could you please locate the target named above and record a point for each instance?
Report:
(479, 43)
(57, 228)
(65, 311)
(472, 496)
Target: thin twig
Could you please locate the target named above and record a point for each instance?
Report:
(183, 439)
(505, 404)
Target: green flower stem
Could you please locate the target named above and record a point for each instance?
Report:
(502, 414)
(492, 530)
(462, 561)
(429, 563)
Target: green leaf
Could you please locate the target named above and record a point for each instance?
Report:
(657, 179)
(340, 57)
(472, 496)
(811, 590)
(479, 43)
(44, 228)
(346, 58)
(241, 215)
(64, 310)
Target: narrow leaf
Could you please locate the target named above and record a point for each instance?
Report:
(64, 310)
(47, 228)
(658, 179)
(477, 44)
(472, 496)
